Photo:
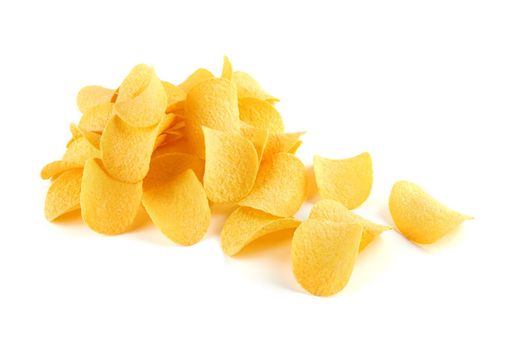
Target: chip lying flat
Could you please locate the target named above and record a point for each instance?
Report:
(245, 225)
(348, 181)
(260, 114)
(179, 208)
(108, 206)
(92, 95)
(63, 195)
(323, 255)
(330, 210)
(420, 217)
(231, 166)
(280, 186)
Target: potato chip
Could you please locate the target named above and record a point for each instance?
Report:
(80, 150)
(91, 96)
(179, 208)
(108, 206)
(231, 166)
(348, 181)
(196, 78)
(227, 72)
(63, 195)
(249, 87)
(56, 168)
(166, 167)
(258, 137)
(175, 95)
(420, 217)
(260, 114)
(330, 210)
(166, 122)
(142, 100)
(93, 138)
(323, 255)
(280, 186)
(245, 225)
(75, 131)
(173, 146)
(295, 147)
(126, 150)
(212, 103)
(281, 143)
(96, 117)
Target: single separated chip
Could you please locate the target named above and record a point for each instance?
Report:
(348, 181)
(323, 255)
(420, 217)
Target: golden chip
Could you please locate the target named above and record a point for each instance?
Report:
(227, 72)
(96, 117)
(281, 143)
(56, 168)
(280, 186)
(91, 96)
(258, 137)
(166, 167)
(179, 208)
(80, 150)
(245, 225)
(260, 114)
(108, 206)
(63, 195)
(249, 87)
(348, 181)
(175, 95)
(420, 217)
(231, 166)
(196, 78)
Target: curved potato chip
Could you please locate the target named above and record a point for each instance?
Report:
(96, 117)
(108, 206)
(179, 208)
(323, 255)
(175, 95)
(212, 103)
(75, 131)
(260, 114)
(295, 147)
(420, 217)
(178, 146)
(258, 137)
(245, 225)
(56, 168)
(166, 167)
(348, 181)
(196, 78)
(280, 186)
(230, 168)
(126, 150)
(142, 100)
(80, 150)
(227, 72)
(249, 87)
(63, 195)
(330, 210)
(93, 138)
(92, 95)
(281, 143)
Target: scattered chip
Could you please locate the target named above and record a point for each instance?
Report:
(245, 225)
(323, 255)
(231, 166)
(91, 96)
(280, 186)
(260, 114)
(249, 87)
(179, 208)
(141, 100)
(63, 195)
(348, 181)
(420, 217)
(108, 206)
(330, 210)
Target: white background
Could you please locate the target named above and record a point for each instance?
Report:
(435, 90)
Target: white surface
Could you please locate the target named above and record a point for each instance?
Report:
(434, 90)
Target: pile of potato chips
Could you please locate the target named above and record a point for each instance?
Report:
(177, 149)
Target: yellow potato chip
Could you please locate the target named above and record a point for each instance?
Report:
(63, 195)
(175, 95)
(108, 206)
(80, 150)
(245, 225)
(91, 96)
(173, 146)
(142, 100)
(249, 87)
(179, 208)
(330, 210)
(260, 114)
(295, 147)
(96, 117)
(196, 78)
(166, 122)
(212, 103)
(258, 137)
(420, 217)
(323, 255)
(160, 140)
(75, 131)
(281, 143)
(311, 186)
(56, 168)
(126, 150)
(348, 181)
(227, 72)
(93, 138)
(280, 186)
(166, 167)
(231, 166)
